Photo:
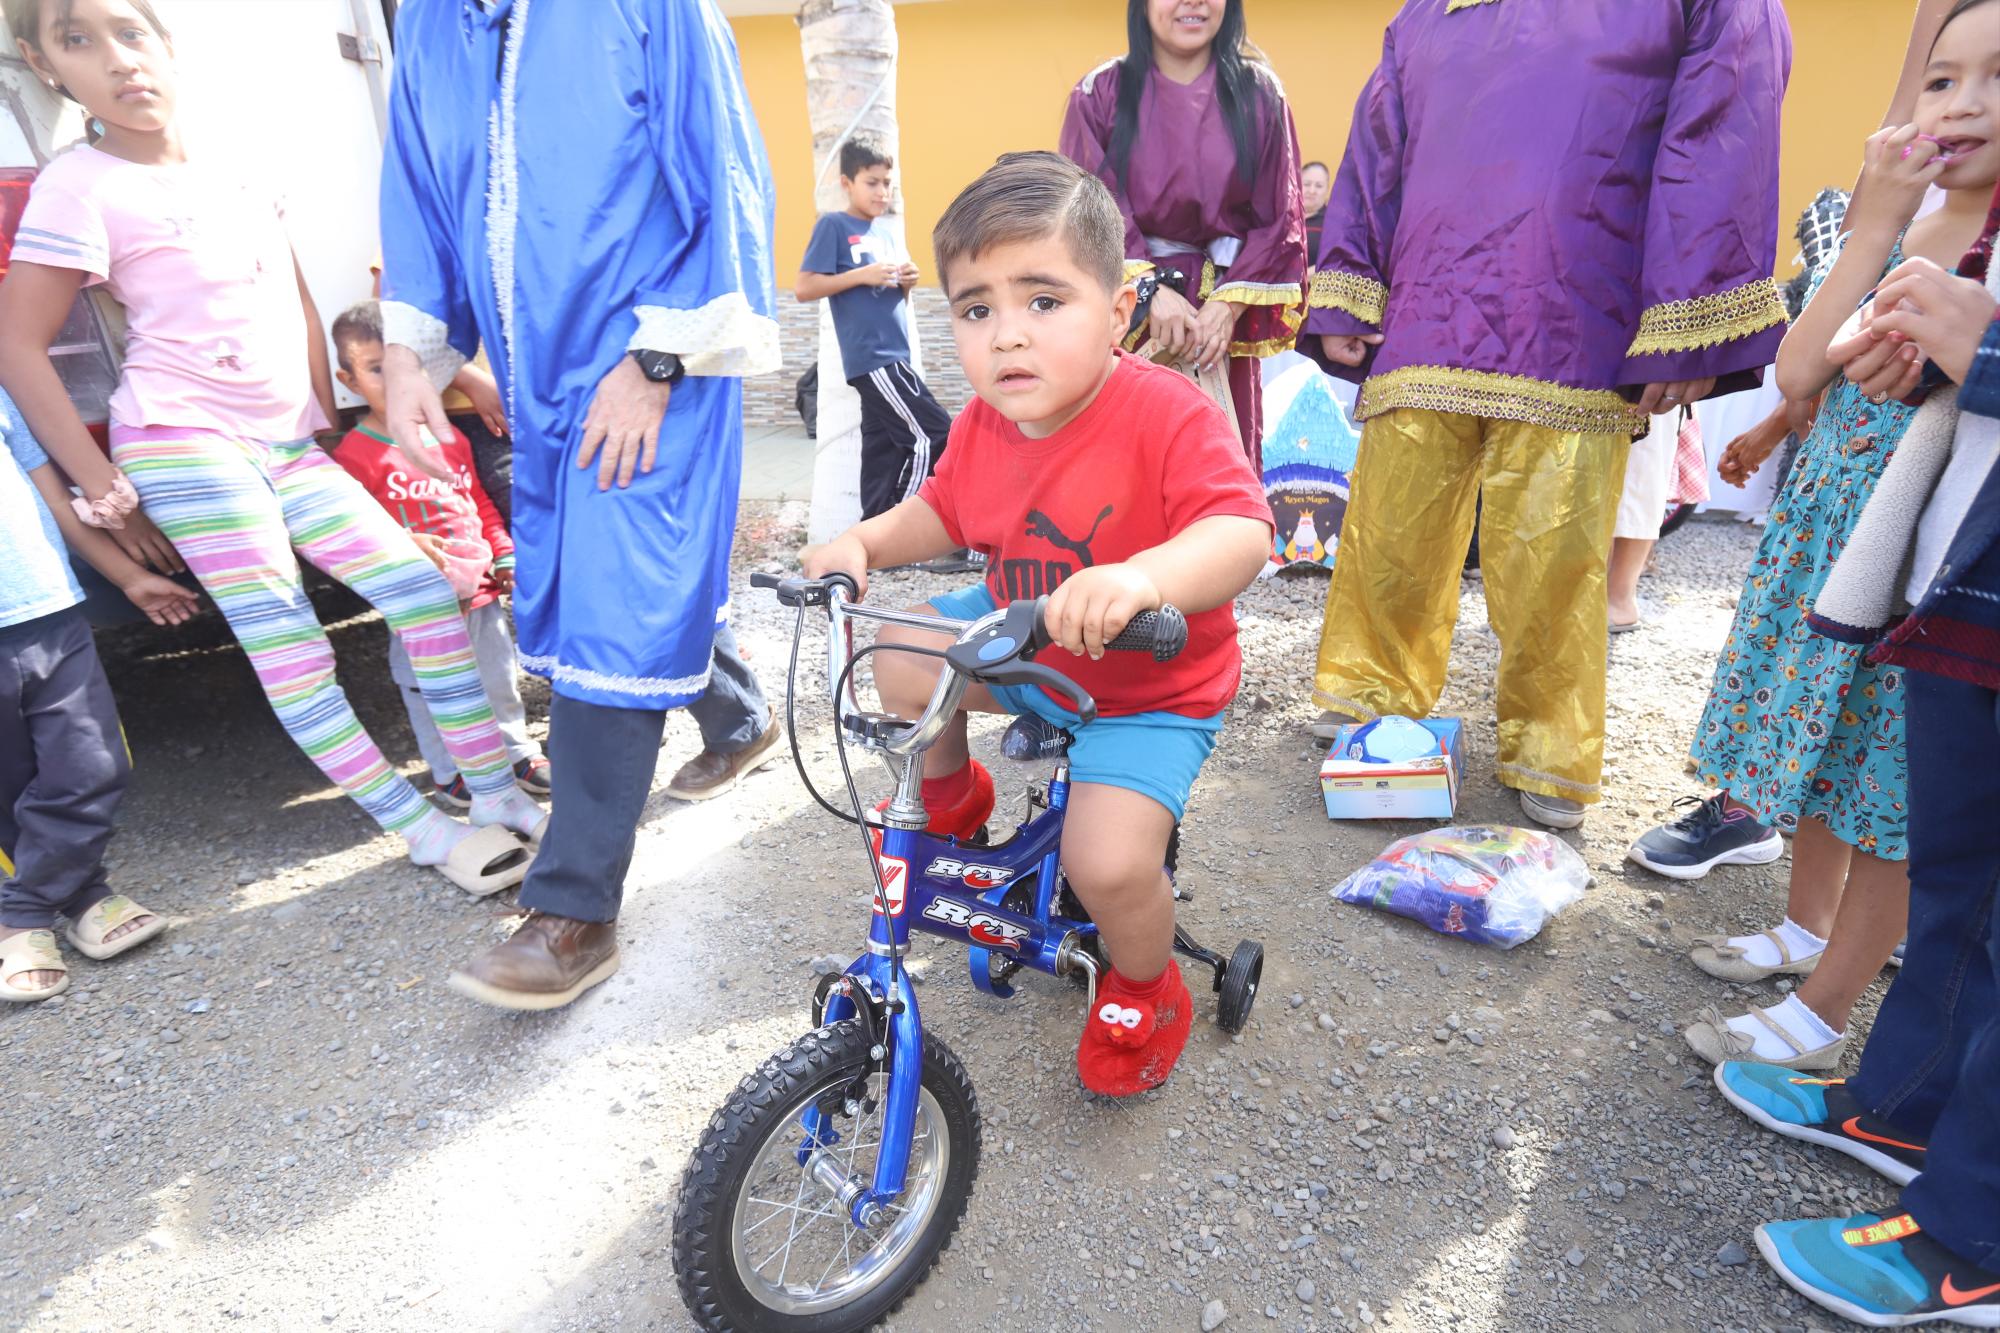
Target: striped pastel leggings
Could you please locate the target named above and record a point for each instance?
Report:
(235, 508)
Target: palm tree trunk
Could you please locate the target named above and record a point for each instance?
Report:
(850, 59)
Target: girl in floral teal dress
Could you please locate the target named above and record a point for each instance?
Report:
(1800, 735)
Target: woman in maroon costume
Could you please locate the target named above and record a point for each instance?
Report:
(1191, 132)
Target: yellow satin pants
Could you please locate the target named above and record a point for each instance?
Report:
(1550, 500)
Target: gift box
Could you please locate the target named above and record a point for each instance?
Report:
(1358, 786)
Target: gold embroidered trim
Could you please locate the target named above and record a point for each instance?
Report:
(1363, 298)
(1137, 268)
(1257, 293)
(1457, 5)
(1708, 321)
(1483, 393)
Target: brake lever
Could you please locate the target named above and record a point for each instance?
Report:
(1018, 672)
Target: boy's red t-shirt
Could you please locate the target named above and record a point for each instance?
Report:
(1151, 455)
(458, 508)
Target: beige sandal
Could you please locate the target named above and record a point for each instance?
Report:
(87, 933)
(1715, 955)
(1711, 1038)
(30, 951)
(489, 860)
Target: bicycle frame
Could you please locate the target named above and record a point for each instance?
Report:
(942, 887)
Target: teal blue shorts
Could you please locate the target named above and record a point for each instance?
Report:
(1155, 754)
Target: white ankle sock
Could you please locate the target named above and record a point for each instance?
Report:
(1758, 950)
(1793, 1016)
(432, 838)
(511, 808)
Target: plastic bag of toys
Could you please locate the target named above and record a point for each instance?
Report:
(1494, 886)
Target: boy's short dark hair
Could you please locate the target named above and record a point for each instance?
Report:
(1030, 196)
(857, 155)
(360, 323)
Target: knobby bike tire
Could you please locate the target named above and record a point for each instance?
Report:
(766, 1102)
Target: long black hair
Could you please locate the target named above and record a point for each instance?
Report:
(1238, 87)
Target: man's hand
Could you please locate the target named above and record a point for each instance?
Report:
(621, 432)
(1947, 316)
(1348, 349)
(1674, 395)
(414, 407)
(164, 601)
(1092, 606)
(146, 544)
(1170, 323)
(1214, 326)
(843, 555)
(484, 394)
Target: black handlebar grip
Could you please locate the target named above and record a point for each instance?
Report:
(763, 580)
(1163, 633)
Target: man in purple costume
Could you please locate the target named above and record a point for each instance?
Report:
(1554, 217)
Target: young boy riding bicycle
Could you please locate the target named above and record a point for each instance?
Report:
(1114, 487)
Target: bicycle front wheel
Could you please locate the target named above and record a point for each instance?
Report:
(761, 1243)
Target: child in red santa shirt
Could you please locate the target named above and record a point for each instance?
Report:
(1114, 486)
(461, 529)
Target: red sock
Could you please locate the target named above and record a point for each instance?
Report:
(945, 792)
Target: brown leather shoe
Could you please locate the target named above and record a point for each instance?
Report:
(709, 774)
(545, 964)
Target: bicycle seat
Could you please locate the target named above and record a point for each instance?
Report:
(1032, 738)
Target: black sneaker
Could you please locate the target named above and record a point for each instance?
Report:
(1707, 836)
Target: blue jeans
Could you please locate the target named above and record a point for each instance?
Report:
(1932, 1064)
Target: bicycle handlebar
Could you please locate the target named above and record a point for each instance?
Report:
(997, 649)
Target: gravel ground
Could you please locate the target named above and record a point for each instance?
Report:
(277, 1115)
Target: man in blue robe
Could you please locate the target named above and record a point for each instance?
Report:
(583, 187)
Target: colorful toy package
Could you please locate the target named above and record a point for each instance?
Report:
(1496, 886)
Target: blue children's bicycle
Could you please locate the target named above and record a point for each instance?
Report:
(824, 1188)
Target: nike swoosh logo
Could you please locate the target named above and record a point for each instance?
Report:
(1853, 1127)
(1953, 1296)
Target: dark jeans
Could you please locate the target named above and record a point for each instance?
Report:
(601, 763)
(733, 713)
(63, 768)
(1932, 1064)
(492, 460)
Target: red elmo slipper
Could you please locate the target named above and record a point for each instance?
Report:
(964, 818)
(1135, 1036)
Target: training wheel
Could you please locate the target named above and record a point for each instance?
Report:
(1239, 986)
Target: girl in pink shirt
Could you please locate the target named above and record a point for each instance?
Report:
(213, 425)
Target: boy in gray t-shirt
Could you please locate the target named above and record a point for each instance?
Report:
(63, 762)
(859, 265)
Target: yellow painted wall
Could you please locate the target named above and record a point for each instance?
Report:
(978, 78)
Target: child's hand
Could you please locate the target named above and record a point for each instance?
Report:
(843, 555)
(502, 576)
(1348, 349)
(164, 601)
(1744, 455)
(1882, 367)
(883, 274)
(906, 276)
(1093, 606)
(147, 545)
(1897, 167)
(1922, 305)
(432, 546)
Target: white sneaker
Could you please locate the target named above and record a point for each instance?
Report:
(1551, 811)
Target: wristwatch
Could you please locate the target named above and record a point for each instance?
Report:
(660, 367)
